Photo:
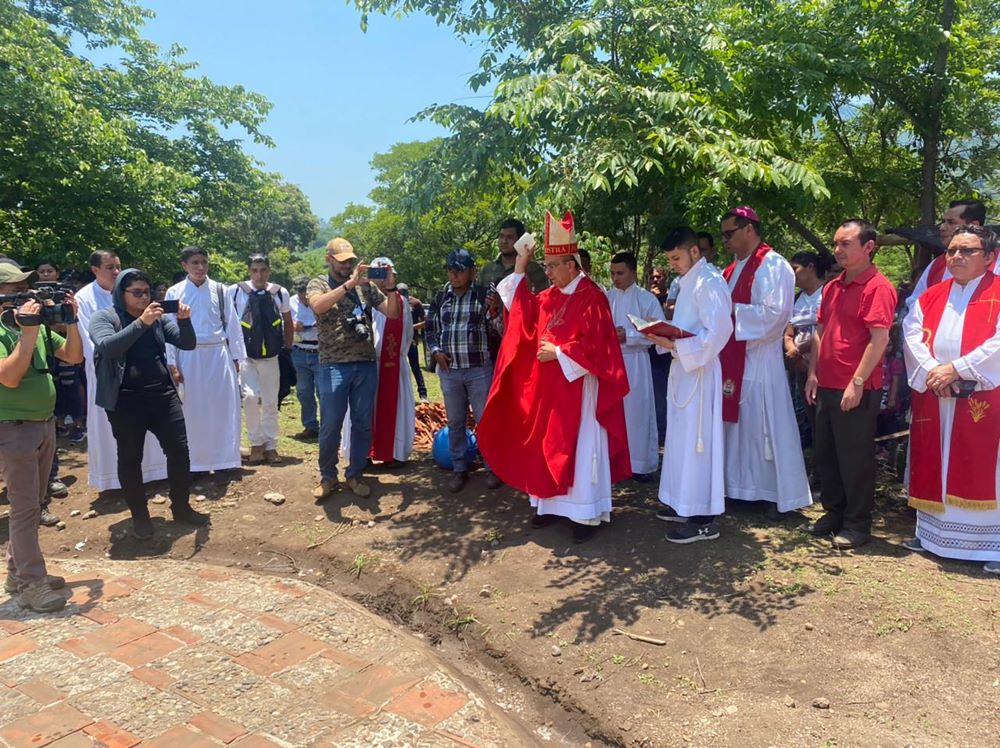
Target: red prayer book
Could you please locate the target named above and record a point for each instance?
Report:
(658, 327)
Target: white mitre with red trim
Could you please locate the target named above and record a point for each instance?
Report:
(560, 238)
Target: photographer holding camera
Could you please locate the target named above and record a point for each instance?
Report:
(27, 425)
(343, 304)
(136, 390)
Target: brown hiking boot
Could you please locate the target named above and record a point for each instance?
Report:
(41, 598)
(256, 456)
(271, 456)
(359, 487)
(326, 488)
(457, 481)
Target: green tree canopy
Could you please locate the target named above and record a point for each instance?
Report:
(138, 157)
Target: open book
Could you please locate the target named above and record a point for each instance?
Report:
(658, 327)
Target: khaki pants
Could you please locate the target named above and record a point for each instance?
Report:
(26, 450)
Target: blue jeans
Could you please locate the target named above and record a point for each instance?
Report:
(307, 384)
(462, 388)
(341, 385)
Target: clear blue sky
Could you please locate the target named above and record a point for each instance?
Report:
(338, 95)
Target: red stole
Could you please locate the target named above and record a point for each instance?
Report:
(734, 356)
(387, 395)
(971, 481)
(937, 267)
(529, 430)
(936, 272)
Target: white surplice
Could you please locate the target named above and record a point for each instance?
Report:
(968, 534)
(763, 452)
(692, 481)
(211, 387)
(589, 499)
(406, 414)
(102, 450)
(640, 409)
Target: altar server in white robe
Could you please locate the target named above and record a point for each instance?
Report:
(625, 298)
(952, 337)
(392, 433)
(764, 459)
(691, 483)
(102, 450)
(209, 374)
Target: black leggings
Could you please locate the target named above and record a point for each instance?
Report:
(158, 412)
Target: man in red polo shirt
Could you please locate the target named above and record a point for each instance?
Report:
(845, 383)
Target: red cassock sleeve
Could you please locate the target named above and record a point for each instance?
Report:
(529, 430)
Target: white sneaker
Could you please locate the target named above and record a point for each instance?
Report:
(992, 567)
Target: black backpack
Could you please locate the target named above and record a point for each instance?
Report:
(261, 321)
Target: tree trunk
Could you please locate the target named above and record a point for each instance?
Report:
(930, 131)
(805, 232)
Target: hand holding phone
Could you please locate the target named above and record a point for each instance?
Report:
(170, 306)
(378, 273)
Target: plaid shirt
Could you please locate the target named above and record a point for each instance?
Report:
(456, 326)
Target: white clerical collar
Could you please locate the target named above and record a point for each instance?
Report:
(969, 287)
(571, 286)
(691, 274)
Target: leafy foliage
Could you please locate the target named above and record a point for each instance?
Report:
(136, 156)
(645, 113)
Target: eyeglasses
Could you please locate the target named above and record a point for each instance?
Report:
(139, 294)
(964, 251)
(727, 235)
(552, 265)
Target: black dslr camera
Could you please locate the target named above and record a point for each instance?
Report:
(56, 313)
(357, 325)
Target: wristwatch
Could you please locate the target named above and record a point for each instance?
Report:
(858, 382)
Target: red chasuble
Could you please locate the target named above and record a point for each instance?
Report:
(387, 395)
(529, 429)
(975, 433)
(734, 356)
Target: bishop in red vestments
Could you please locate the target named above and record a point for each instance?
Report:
(554, 424)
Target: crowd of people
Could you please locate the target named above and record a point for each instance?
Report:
(573, 387)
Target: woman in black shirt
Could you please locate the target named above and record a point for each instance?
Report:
(135, 388)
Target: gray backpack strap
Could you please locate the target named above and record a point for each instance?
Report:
(220, 294)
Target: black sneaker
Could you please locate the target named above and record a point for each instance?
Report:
(583, 533)
(773, 515)
(142, 527)
(77, 435)
(189, 516)
(692, 533)
(667, 514)
(828, 524)
(642, 477)
(541, 520)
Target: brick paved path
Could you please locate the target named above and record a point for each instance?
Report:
(169, 654)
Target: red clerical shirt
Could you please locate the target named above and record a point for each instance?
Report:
(847, 313)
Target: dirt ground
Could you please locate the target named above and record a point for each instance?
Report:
(772, 637)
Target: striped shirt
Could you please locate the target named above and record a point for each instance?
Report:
(456, 326)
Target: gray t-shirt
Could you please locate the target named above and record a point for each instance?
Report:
(337, 344)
